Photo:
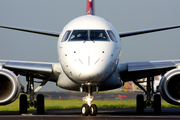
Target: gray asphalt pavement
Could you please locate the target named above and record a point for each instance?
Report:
(103, 114)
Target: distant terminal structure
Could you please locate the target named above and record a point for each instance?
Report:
(131, 87)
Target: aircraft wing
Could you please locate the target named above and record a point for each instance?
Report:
(56, 34)
(40, 70)
(137, 70)
(133, 33)
(42, 32)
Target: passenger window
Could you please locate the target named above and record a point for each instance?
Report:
(112, 36)
(66, 36)
(79, 35)
(98, 35)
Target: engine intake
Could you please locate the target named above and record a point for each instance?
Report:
(9, 87)
(170, 86)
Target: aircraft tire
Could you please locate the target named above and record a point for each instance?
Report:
(157, 104)
(23, 104)
(140, 104)
(93, 110)
(40, 104)
(85, 110)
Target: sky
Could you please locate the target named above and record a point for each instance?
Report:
(53, 15)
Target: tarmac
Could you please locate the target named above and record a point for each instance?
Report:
(103, 114)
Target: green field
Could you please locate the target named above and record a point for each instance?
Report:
(67, 104)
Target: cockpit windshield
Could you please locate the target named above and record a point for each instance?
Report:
(98, 35)
(85, 35)
(79, 35)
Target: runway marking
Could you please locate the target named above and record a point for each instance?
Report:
(30, 114)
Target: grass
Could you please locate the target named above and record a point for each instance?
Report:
(71, 104)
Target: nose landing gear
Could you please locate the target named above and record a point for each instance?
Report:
(89, 108)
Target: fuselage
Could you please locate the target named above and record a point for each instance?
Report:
(89, 49)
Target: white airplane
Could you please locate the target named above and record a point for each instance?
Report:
(89, 49)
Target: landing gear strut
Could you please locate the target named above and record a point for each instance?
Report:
(141, 104)
(24, 104)
(89, 108)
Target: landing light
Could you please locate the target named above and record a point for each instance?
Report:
(88, 99)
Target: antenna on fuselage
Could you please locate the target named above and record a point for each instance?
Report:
(90, 7)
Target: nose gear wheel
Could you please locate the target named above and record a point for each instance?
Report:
(93, 110)
(88, 108)
(85, 109)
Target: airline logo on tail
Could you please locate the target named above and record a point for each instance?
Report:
(90, 7)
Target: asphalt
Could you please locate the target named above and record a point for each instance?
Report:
(103, 114)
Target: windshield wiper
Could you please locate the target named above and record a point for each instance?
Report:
(89, 40)
(93, 41)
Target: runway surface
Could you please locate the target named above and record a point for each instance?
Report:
(103, 114)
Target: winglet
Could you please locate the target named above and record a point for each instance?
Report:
(90, 7)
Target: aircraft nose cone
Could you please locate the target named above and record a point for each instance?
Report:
(89, 73)
(88, 69)
(91, 69)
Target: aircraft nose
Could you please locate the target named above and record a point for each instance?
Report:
(89, 61)
(90, 69)
(89, 73)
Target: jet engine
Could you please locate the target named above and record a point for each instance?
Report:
(9, 87)
(170, 86)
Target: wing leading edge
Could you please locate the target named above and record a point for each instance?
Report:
(56, 34)
(42, 32)
(139, 32)
(40, 70)
(137, 70)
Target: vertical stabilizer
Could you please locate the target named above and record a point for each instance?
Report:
(90, 7)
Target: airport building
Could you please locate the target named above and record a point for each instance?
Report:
(131, 87)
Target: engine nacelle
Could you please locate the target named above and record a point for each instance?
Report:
(170, 86)
(9, 87)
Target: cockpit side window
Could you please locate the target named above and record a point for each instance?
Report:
(98, 35)
(112, 36)
(79, 35)
(66, 36)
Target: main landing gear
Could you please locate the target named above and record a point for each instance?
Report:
(24, 103)
(88, 108)
(155, 103)
(38, 104)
